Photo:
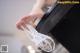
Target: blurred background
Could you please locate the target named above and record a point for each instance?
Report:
(10, 12)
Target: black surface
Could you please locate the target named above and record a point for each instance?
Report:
(67, 31)
(51, 19)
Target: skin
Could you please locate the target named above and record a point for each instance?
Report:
(35, 13)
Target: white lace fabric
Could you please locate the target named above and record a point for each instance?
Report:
(41, 41)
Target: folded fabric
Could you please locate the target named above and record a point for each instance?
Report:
(41, 41)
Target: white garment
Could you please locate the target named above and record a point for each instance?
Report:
(41, 41)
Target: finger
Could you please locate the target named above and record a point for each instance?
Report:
(19, 27)
(23, 24)
(33, 25)
(31, 28)
(34, 19)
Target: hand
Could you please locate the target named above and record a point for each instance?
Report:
(29, 19)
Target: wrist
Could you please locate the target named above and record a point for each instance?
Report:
(38, 14)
